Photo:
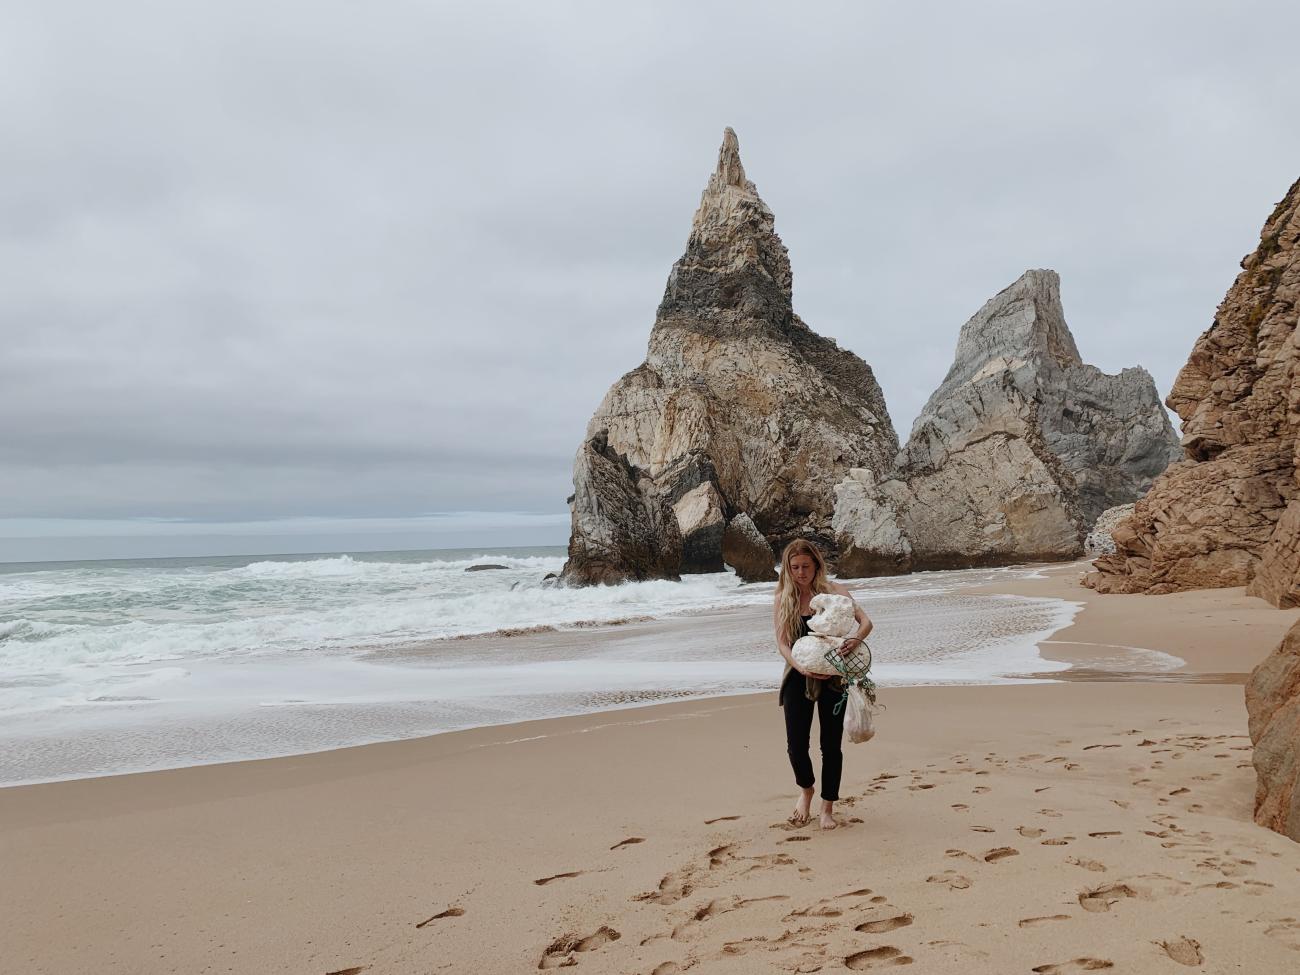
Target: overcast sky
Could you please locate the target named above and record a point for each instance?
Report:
(324, 260)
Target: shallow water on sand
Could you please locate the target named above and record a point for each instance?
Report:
(142, 666)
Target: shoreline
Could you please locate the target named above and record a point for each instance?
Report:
(1027, 825)
(216, 713)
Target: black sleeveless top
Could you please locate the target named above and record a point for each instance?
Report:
(812, 687)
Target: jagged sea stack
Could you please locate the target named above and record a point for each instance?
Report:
(1015, 455)
(1228, 515)
(739, 408)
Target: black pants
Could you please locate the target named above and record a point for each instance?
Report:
(798, 726)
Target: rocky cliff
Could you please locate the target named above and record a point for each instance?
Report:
(1015, 455)
(739, 408)
(1229, 513)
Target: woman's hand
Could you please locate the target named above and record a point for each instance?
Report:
(851, 644)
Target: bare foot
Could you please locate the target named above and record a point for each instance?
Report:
(802, 808)
(827, 820)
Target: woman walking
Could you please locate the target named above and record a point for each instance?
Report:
(803, 575)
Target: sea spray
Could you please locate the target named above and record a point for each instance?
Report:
(176, 662)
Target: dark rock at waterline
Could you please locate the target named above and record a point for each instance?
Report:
(624, 529)
(485, 567)
(746, 550)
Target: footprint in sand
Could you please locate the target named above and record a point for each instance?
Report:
(560, 952)
(1056, 841)
(1077, 965)
(952, 878)
(1283, 929)
(1105, 833)
(449, 912)
(672, 887)
(710, 822)
(820, 909)
(720, 855)
(350, 971)
(1049, 813)
(667, 968)
(1033, 922)
(559, 876)
(746, 901)
(1184, 950)
(882, 957)
(1102, 899)
(1030, 832)
(795, 839)
(1001, 853)
(1086, 864)
(862, 892)
(885, 925)
(960, 806)
(687, 929)
(630, 841)
(979, 790)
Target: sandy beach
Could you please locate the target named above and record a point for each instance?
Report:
(1080, 825)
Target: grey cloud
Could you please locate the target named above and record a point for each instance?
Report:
(301, 258)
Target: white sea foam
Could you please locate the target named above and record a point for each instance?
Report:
(124, 667)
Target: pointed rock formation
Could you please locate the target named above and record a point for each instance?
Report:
(738, 408)
(1229, 514)
(1015, 455)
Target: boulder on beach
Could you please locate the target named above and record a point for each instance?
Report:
(1273, 703)
(1099, 540)
(739, 408)
(1014, 456)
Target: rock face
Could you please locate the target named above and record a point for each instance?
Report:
(738, 408)
(1229, 514)
(1015, 455)
(623, 529)
(1273, 702)
(1099, 541)
(746, 550)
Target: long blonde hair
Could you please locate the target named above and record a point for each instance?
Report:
(787, 591)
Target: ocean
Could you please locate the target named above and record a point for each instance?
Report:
(132, 665)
